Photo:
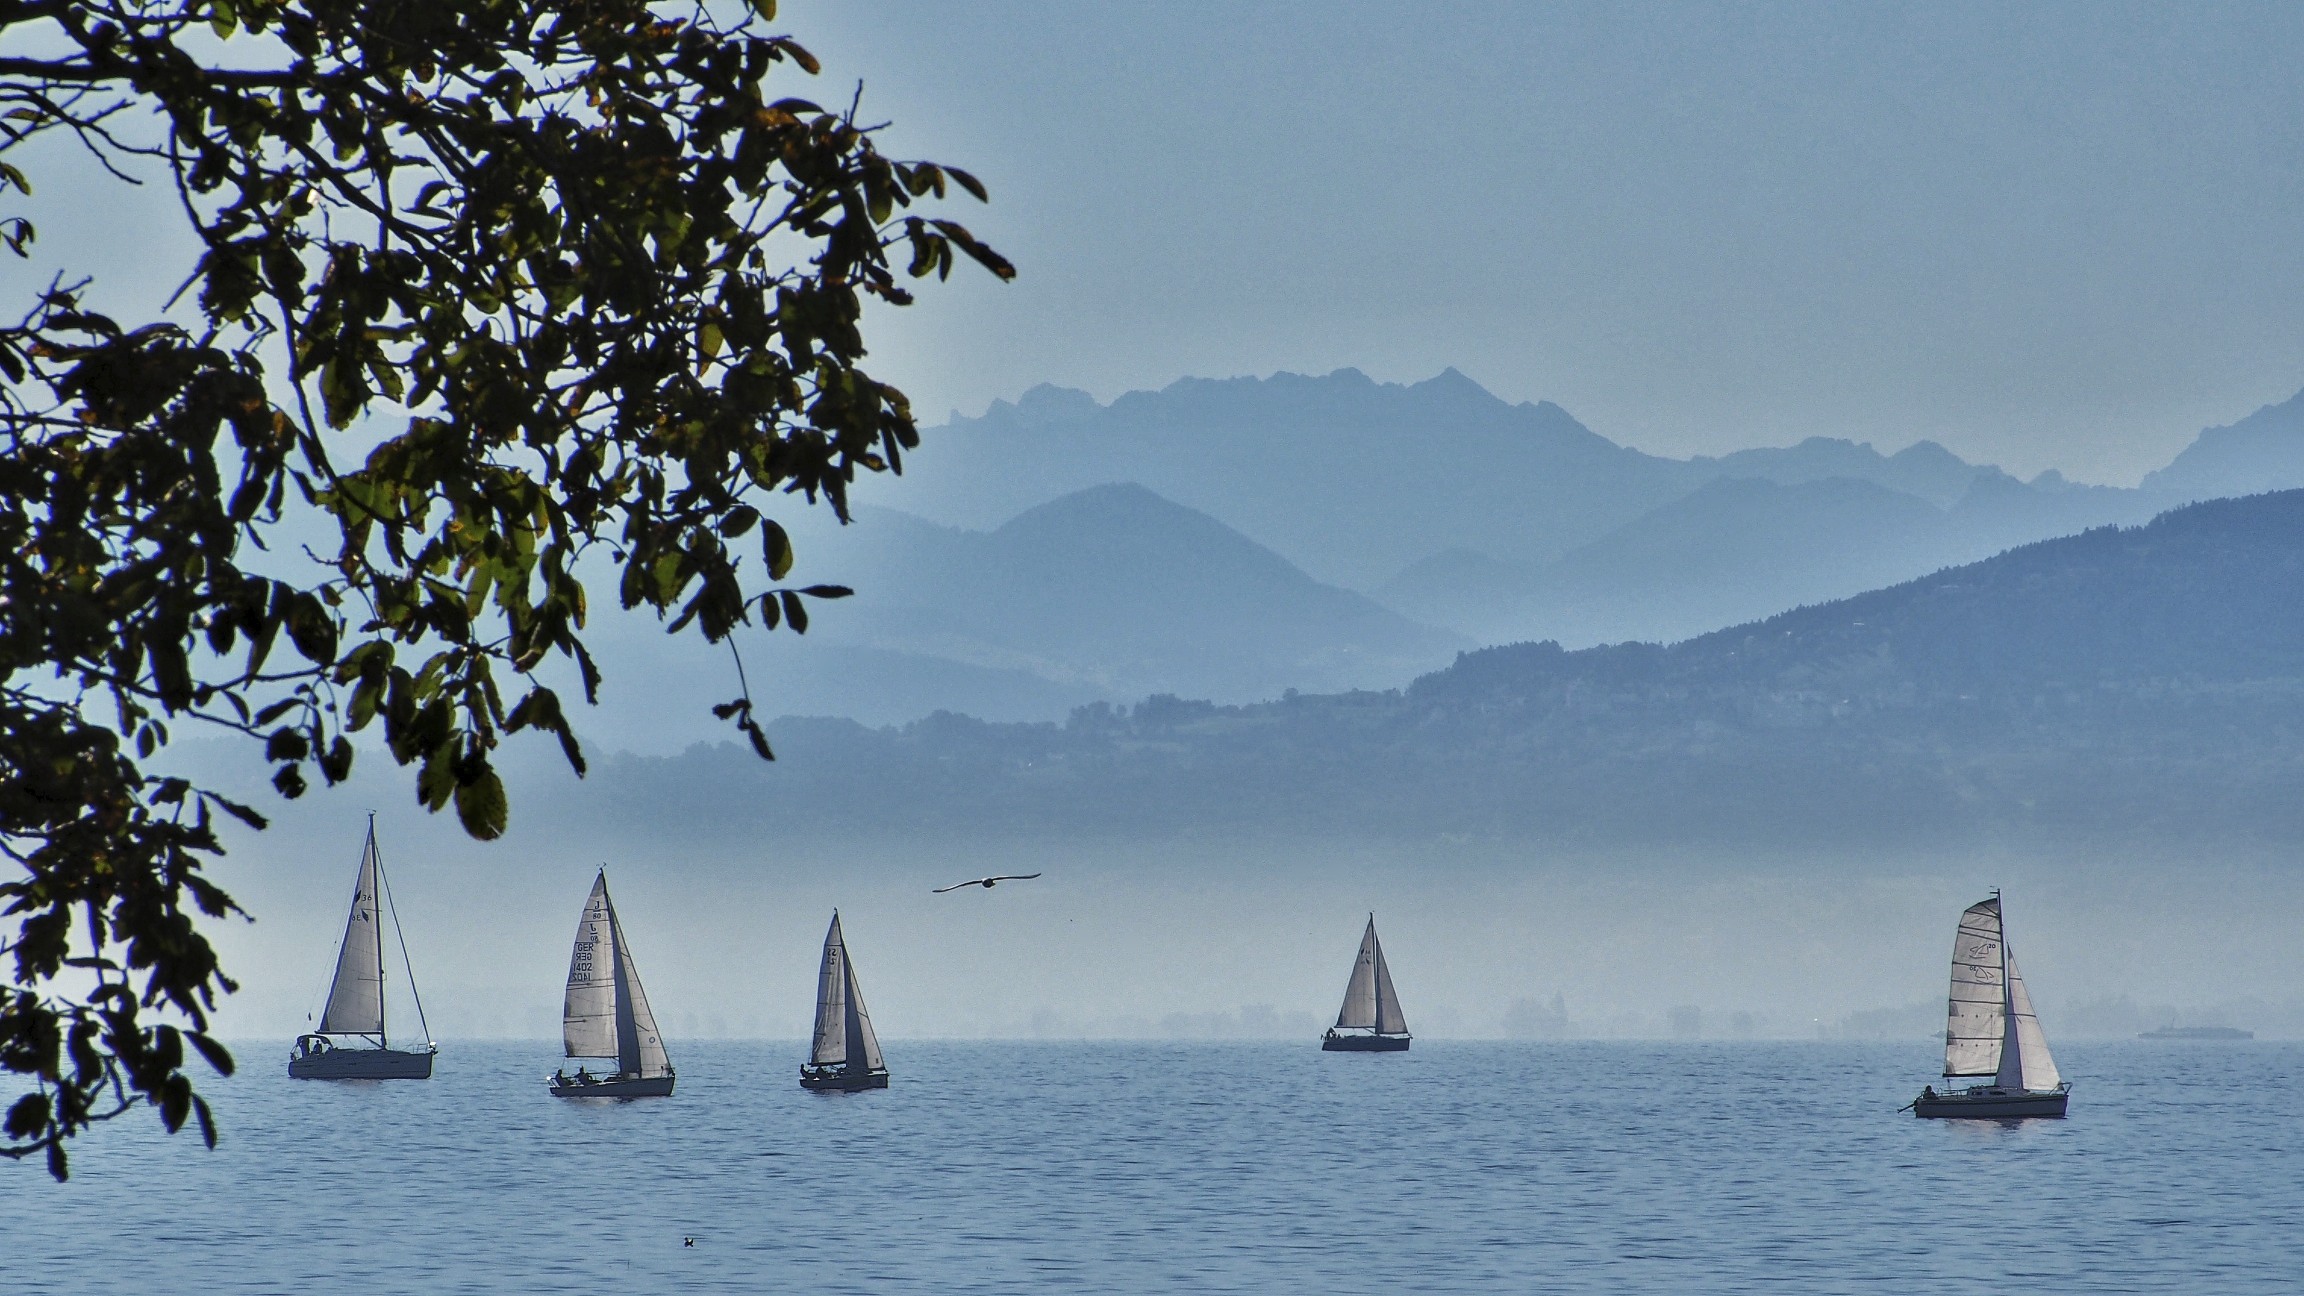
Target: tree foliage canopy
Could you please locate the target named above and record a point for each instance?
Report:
(580, 279)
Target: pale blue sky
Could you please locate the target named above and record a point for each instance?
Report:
(2060, 235)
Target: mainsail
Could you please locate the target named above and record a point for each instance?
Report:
(844, 1036)
(1978, 1014)
(356, 997)
(605, 1013)
(1369, 1000)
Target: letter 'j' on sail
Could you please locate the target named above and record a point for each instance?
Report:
(844, 1054)
(1990, 1031)
(605, 1013)
(1370, 1004)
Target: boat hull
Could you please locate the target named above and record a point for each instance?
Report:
(1993, 1104)
(843, 1082)
(613, 1087)
(1333, 1043)
(362, 1064)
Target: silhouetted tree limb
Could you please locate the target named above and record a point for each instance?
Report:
(582, 279)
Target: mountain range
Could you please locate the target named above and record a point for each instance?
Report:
(1106, 594)
(2126, 685)
(1230, 540)
(1354, 480)
(1120, 591)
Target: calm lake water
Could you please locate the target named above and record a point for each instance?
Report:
(1132, 1167)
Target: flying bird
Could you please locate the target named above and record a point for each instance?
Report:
(986, 882)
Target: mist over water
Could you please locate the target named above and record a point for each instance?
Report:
(1230, 936)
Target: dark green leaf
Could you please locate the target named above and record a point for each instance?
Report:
(217, 1055)
(482, 808)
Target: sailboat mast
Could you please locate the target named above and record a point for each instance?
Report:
(1376, 982)
(2007, 999)
(383, 1037)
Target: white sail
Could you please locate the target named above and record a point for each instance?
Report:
(1359, 1010)
(832, 981)
(1389, 1019)
(1977, 1017)
(588, 1013)
(356, 997)
(844, 1035)
(2024, 1059)
(639, 1045)
(606, 1013)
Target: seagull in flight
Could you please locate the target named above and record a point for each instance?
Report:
(986, 882)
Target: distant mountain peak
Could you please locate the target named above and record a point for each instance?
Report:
(1112, 501)
(1452, 381)
(2262, 452)
(1930, 452)
(1042, 404)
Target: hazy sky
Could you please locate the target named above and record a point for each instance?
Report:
(2060, 235)
(1118, 938)
(2048, 235)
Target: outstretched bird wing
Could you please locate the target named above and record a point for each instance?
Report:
(985, 882)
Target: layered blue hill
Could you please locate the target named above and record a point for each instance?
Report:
(1107, 594)
(1501, 521)
(2122, 686)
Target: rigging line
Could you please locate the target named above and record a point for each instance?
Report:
(402, 936)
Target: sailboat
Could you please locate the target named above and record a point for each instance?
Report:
(350, 1043)
(1991, 1032)
(606, 1012)
(846, 1054)
(1369, 1005)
